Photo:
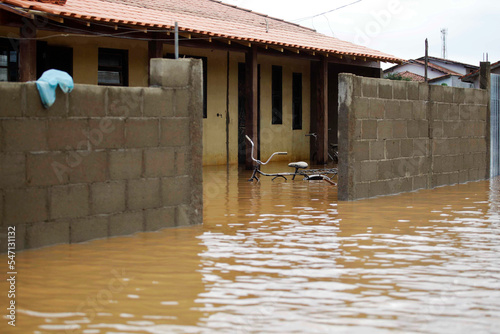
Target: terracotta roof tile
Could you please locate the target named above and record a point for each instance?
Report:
(207, 17)
(412, 76)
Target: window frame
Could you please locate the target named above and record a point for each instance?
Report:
(12, 67)
(123, 70)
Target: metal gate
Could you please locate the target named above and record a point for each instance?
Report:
(495, 125)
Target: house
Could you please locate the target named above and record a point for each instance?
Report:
(440, 71)
(473, 77)
(269, 79)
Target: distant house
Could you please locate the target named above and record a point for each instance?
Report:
(473, 77)
(440, 71)
(264, 77)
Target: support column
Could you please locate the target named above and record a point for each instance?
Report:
(322, 112)
(251, 89)
(155, 50)
(485, 83)
(27, 53)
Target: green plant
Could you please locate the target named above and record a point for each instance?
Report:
(396, 76)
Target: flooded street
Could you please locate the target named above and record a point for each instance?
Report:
(280, 257)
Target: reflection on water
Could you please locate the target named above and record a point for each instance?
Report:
(281, 257)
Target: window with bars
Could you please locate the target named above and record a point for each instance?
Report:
(297, 101)
(277, 94)
(8, 61)
(113, 67)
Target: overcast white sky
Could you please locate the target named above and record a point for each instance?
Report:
(399, 27)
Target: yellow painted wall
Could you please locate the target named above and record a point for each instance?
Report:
(273, 137)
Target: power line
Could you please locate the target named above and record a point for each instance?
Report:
(327, 12)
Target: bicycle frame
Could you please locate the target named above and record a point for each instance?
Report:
(308, 174)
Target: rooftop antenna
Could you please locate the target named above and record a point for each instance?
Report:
(444, 32)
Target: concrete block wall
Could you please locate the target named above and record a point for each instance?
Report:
(102, 161)
(399, 136)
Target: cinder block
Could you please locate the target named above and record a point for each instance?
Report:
(392, 110)
(369, 129)
(379, 188)
(88, 101)
(399, 129)
(412, 90)
(91, 168)
(377, 150)
(420, 147)
(108, 197)
(465, 111)
(469, 96)
(412, 129)
(424, 165)
(458, 95)
(407, 148)
(419, 110)
(25, 135)
(406, 110)
(65, 134)
(368, 171)
(384, 130)
(437, 129)
(176, 190)
(463, 176)
(175, 132)
(361, 107)
(392, 149)
(385, 89)
(399, 168)
(436, 93)
(171, 73)
(420, 182)
(88, 229)
(35, 108)
(441, 179)
(182, 101)
(124, 102)
(160, 162)
(443, 111)
(47, 234)
(454, 178)
(158, 219)
(454, 112)
(125, 164)
(448, 93)
(369, 87)
(158, 102)
(12, 170)
(183, 164)
(480, 97)
(358, 124)
(412, 165)
(144, 194)
(361, 151)
(482, 113)
(11, 97)
(70, 201)
(423, 128)
(126, 223)
(141, 133)
(423, 91)
(356, 86)
(25, 206)
(399, 89)
(47, 169)
(188, 215)
(361, 190)
(107, 133)
(377, 108)
(384, 169)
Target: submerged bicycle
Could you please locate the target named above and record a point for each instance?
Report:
(325, 174)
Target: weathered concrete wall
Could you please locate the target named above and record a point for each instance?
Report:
(102, 161)
(398, 136)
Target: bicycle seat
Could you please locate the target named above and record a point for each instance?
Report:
(299, 164)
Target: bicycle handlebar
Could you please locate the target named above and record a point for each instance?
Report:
(258, 161)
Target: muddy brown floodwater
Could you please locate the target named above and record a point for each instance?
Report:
(280, 257)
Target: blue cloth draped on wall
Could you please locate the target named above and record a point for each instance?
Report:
(47, 85)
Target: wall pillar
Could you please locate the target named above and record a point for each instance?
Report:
(155, 50)
(27, 54)
(322, 112)
(251, 89)
(485, 83)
